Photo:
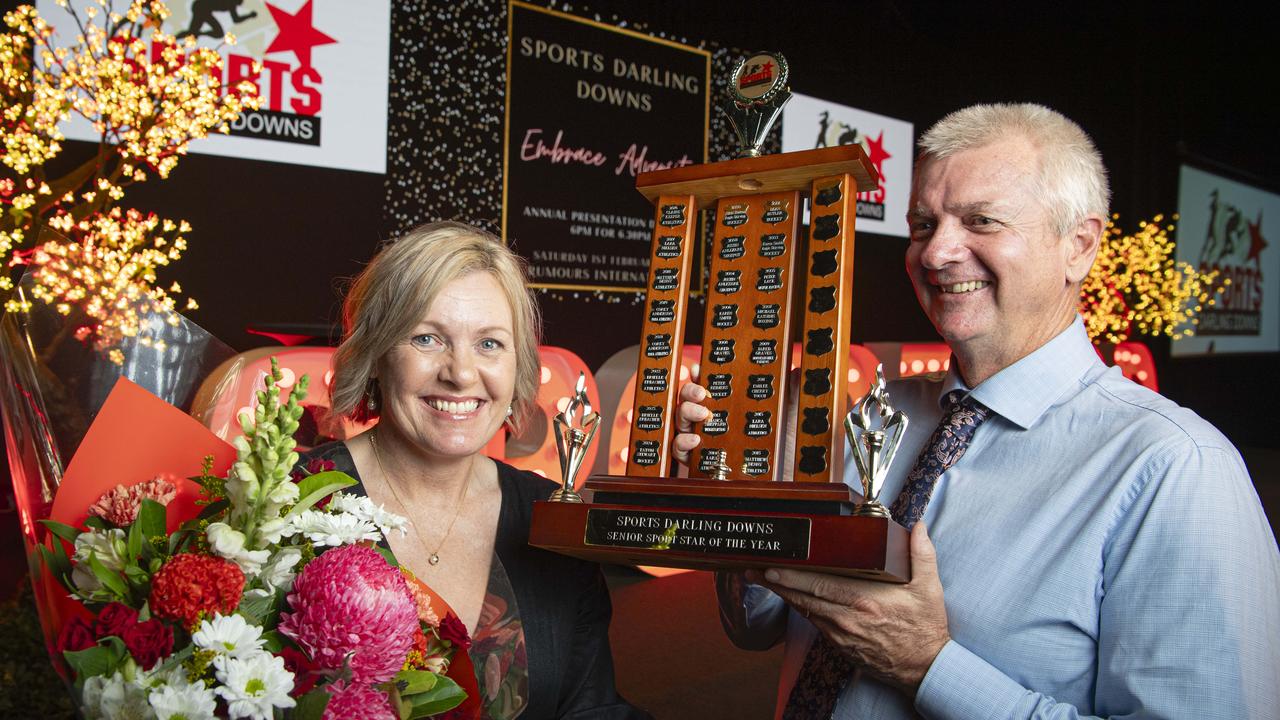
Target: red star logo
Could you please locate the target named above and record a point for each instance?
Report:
(297, 34)
(1257, 243)
(876, 152)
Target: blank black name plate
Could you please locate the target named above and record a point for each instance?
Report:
(755, 536)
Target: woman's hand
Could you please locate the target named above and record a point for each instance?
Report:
(689, 411)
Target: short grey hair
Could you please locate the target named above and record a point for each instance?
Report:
(1073, 180)
(393, 293)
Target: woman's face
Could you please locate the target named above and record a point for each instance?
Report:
(447, 386)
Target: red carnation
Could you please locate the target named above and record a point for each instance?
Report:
(190, 584)
(76, 635)
(452, 629)
(115, 619)
(149, 642)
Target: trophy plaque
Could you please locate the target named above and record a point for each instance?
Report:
(733, 512)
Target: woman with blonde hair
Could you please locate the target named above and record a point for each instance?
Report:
(441, 347)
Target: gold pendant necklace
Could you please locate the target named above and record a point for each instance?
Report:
(433, 557)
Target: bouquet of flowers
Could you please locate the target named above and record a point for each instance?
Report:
(272, 601)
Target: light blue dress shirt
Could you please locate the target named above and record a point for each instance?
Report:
(1102, 552)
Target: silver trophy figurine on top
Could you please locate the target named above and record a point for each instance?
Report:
(875, 430)
(757, 91)
(575, 429)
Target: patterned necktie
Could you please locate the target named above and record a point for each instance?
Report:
(826, 670)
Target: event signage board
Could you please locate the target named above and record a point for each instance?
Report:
(323, 78)
(810, 122)
(589, 107)
(1230, 227)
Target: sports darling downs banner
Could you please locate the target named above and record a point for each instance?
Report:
(589, 107)
(323, 80)
(1229, 227)
(809, 122)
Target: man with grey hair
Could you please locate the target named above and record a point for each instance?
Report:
(1092, 549)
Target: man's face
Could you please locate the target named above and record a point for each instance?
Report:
(987, 267)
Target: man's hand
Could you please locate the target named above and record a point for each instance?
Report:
(893, 631)
(689, 411)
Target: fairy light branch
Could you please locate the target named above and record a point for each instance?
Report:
(1137, 286)
(148, 96)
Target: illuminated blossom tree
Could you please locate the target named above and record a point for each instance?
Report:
(148, 96)
(1136, 286)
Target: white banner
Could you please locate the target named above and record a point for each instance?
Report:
(808, 122)
(1230, 227)
(323, 82)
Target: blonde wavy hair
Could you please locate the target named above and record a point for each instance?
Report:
(390, 297)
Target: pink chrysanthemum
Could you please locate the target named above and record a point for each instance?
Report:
(349, 600)
(356, 701)
(120, 506)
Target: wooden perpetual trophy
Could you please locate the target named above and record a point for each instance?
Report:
(732, 512)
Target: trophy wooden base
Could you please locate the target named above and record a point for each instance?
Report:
(723, 525)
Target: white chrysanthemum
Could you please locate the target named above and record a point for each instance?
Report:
(253, 686)
(323, 528)
(107, 546)
(227, 542)
(181, 700)
(229, 636)
(362, 507)
(114, 698)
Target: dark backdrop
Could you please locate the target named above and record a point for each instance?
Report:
(1152, 82)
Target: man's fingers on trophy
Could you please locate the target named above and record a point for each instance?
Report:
(684, 444)
(814, 608)
(693, 392)
(690, 413)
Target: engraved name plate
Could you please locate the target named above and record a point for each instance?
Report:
(654, 380)
(668, 247)
(649, 417)
(773, 245)
(728, 281)
(662, 311)
(719, 385)
(666, 279)
(764, 352)
(735, 215)
(717, 424)
(755, 462)
(672, 215)
(732, 248)
(759, 387)
(767, 536)
(657, 345)
(766, 316)
(758, 424)
(724, 316)
(722, 351)
(775, 211)
(646, 452)
(769, 279)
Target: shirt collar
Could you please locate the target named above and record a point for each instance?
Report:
(1022, 392)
